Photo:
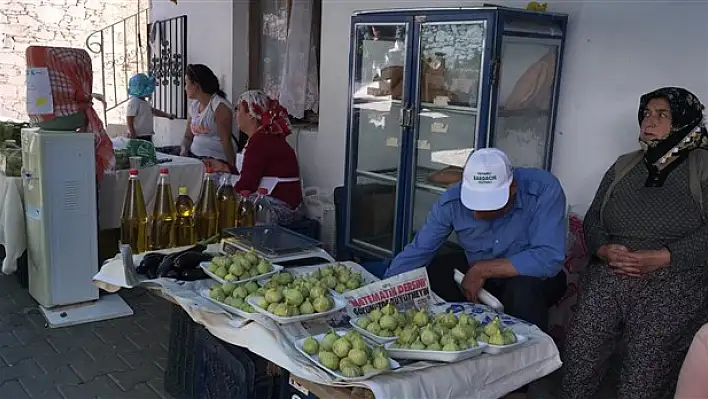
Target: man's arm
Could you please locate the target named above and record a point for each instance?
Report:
(426, 243)
(547, 233)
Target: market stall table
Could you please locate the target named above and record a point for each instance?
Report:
(494, 376)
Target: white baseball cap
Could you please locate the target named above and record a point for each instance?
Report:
(486, 180)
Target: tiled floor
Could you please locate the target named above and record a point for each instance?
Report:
(121, 358)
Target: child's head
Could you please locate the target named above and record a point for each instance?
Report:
(141, 85)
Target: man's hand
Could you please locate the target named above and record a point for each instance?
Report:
(472, 283)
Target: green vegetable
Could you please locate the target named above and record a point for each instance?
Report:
(310, 346)
(341, 347)
(329, 360)
(363, 322)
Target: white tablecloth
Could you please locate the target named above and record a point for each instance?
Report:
(187, 172)
(12, 222)
(481, 377)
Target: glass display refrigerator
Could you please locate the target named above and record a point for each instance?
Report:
(428, 87)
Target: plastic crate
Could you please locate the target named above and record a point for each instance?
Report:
(179, 373)
(224, 371)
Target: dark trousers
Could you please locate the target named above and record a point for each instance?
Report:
(146, 138)
(526, 298)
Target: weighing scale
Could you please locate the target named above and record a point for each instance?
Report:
(275, 243)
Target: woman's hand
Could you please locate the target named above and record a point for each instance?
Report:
(615, 254)
(646, 261)
(637, 263)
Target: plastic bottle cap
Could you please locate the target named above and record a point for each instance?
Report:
(183, 191)
(133, 172)
(245, 193)
(209, 170)
(263, 190)
(164, 171)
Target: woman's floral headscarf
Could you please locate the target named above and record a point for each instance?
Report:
(688, 132)
(272, 117)
(141, 85)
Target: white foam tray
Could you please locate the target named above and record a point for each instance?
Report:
(205, 267)
(498, 349)
(339, 304)
(376, 338)
(437, 356)
(204, 293)
(315, 359)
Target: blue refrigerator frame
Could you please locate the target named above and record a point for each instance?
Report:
(494, 17)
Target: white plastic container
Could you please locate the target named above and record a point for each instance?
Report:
(483, 295)
(499, 349)
(315, 359)
(204, 293)
(339, 304)
(205, 267)
(438, 356)
(371, 336)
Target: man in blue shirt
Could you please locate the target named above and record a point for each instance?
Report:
(511, 224)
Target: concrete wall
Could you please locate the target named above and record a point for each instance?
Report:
(218, 38)
(60, 23)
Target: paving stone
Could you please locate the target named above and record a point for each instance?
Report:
(86, 361)
(12, 389)
(30, 335)
(47, 385)
(101, 365)
(26, 367)
(141, 391)
(155, 353)
(8, 339)
(15, 354)
(158, 385)
(113, 336)
(99, 387)
(128, 379)
(53, 361)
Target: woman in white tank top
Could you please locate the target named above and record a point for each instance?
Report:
(209, 123)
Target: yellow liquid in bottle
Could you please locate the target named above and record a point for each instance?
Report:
(134, 220)
(246, 212)
(185, 227)
(207, 213)
(227, 204)
(164, 216)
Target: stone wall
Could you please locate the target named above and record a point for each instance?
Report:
(68, 23)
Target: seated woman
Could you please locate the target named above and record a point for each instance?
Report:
(268, 161)
(208, 134)
(692, 382)
(647, 284)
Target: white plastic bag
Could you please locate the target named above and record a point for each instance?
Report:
(320, 207)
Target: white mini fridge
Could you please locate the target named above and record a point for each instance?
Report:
(58, 170)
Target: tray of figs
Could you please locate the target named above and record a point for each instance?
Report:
(346, 355)
(444, 337)
(289, 300)
(240, 267)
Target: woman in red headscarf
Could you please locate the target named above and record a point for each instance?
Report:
(268, 161)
